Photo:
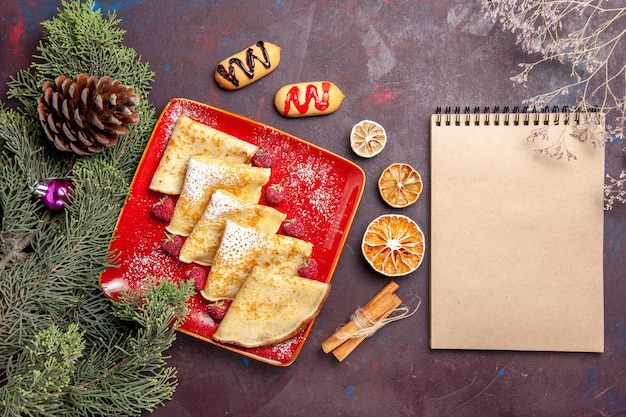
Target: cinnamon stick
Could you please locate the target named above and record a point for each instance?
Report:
(390, 302)
(375, 309)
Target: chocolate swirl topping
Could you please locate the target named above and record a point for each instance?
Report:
(248, 67)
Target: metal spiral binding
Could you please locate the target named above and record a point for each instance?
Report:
(525, 116)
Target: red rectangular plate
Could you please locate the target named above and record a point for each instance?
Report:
(324, 191)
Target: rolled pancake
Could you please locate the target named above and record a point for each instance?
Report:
(242, 248)
(271, 307)
(205, 175)
(202, 243)
(190, 138)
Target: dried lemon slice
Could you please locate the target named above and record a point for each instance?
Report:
(367, 138)
(400, 185)
(393, 244)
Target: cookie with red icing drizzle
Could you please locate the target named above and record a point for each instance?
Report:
(308, 99)
(247, 66)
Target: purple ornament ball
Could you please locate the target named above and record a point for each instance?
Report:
(53, 192)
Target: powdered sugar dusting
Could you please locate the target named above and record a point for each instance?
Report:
(282, 352)
(237, 241)
(201, 177)
(305, 171)
(312, 178)
(142, 265)
(221, 203)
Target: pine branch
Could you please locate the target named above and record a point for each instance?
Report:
(64, 348)
(42, 370)
(48, 378)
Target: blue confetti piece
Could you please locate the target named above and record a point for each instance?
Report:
(501, 372)
(246, 361)
(166, 67)
(350, 390)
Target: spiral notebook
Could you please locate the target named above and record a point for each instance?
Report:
(516, 235)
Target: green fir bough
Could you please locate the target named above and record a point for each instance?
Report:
(65, 349)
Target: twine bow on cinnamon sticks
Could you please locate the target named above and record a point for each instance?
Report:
(366, 321)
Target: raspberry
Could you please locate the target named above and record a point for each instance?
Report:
(163, 209)
(172, 244)
(293, 227)
(208, 323)
(308, 269)
(198, 275)
(274, 194)
(218, 309)
(263, 159)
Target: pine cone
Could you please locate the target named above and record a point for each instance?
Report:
(86, 114)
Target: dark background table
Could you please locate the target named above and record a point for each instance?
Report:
(396, 61)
